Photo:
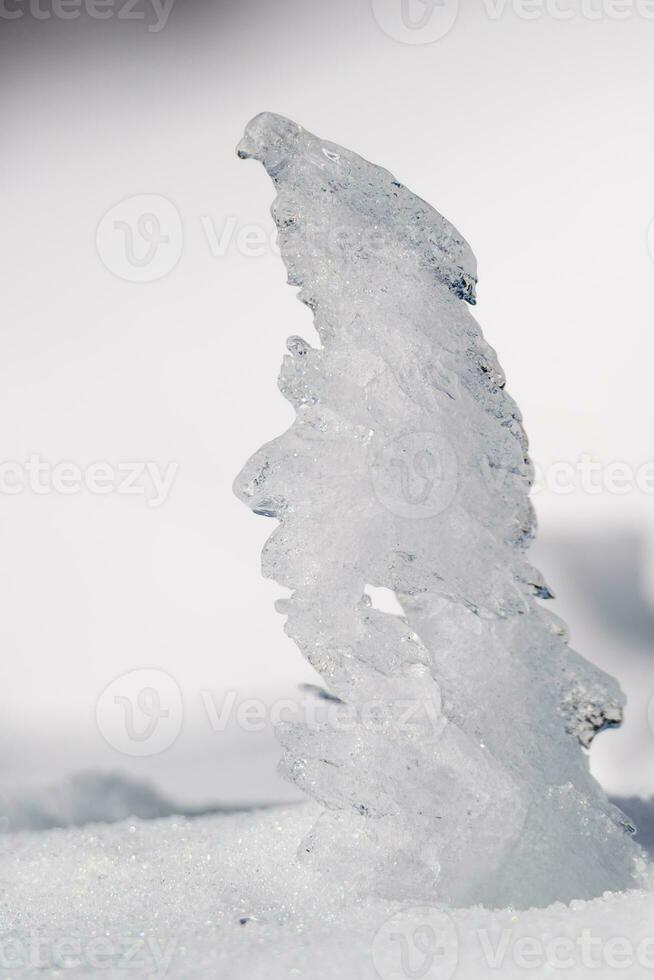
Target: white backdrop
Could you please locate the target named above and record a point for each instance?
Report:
(534, 136)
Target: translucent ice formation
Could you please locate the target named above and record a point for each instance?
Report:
(449, 755)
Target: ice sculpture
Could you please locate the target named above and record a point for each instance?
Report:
(451, 764)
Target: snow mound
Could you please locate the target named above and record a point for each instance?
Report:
(92, 797)
(224, 897)
(82, 798)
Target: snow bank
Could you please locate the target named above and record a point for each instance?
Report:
(93, 797)
(224, 897)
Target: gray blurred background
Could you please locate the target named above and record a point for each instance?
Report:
(534, 135)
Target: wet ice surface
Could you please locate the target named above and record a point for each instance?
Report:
(451, 765)
(224, 897)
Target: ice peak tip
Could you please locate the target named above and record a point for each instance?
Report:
(265, 131)
(294, 157)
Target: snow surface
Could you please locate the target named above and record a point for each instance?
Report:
(224, 897)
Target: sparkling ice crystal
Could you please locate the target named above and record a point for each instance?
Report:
(450, 758)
